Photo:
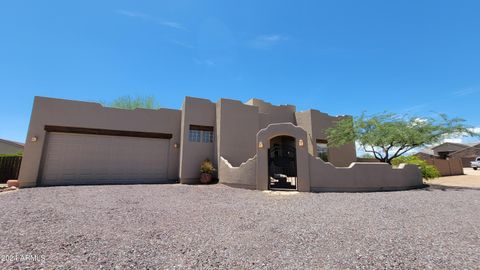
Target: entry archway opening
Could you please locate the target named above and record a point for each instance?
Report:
(282, 163)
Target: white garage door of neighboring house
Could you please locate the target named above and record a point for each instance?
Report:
(96, 159)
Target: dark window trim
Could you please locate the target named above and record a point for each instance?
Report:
(111, 132)
(322, 141)
(202, 128)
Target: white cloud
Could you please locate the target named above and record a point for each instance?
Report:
(475, 130)
(466, 92)
(146, 17)
(172, 25)
(131, 13)
(267, 41)
(463, 138)
(206, 62)
(419, 121)
(416, 108)
(182, 44)
(453, 140)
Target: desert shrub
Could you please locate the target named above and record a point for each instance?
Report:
(207, 167)
(428, 171)
(18, 154)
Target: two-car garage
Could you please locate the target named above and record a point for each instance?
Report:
(95, 156)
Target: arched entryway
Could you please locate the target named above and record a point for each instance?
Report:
(291, 143)
(282, 163)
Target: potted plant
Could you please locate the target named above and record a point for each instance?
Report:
(206, 170)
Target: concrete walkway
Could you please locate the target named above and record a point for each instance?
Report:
(471, 179)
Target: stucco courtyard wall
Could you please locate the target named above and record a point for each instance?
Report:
(313, 174)
(243, 176)
(362, 176)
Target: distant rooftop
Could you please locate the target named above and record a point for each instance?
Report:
(12, 142)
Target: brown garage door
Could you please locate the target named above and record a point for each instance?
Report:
(102, 159)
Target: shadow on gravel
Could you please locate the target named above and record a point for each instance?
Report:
(446, 188)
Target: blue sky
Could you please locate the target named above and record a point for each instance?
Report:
(341, 57)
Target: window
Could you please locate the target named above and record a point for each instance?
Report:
(207, 136)
(194, 135)
(322, 150)
(200, 134)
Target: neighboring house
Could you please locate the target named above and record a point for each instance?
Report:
(426, 153)
(10, 147)
(255, 145)
(465, 152)
(445, 149)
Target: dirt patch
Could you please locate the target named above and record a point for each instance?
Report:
(471, 179)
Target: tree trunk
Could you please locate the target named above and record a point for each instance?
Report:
(385, 160)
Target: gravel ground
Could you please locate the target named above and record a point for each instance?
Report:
(182, 227)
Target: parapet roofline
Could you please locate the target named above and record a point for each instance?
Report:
(250, 102)
(98, 104)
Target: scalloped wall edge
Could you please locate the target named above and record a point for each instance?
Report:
(241, 164)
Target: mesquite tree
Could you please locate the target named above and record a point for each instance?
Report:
(387, 136)
(131, 103)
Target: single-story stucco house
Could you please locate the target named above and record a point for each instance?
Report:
(10, 147)
(255, 145)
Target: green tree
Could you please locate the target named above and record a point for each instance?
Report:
(387, 136)
(428, 171)
(131, 103)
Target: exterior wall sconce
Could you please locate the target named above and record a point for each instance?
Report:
(34, 139)
(260, 145)
(300, 142)
(176, 145)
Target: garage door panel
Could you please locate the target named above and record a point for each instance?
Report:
(84, 159)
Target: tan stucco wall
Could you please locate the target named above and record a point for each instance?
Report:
(362, 177)
(270, 114)
(316, 123)
(49, 111)
(8, 148)
(237, 127)
(196, 111)
(313, 173)
(243, 176)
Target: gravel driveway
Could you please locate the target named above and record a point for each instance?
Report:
(182, 227)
